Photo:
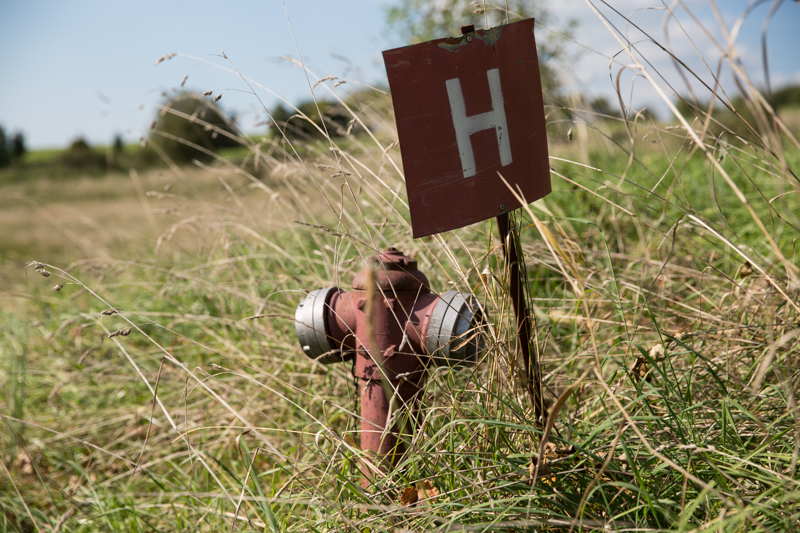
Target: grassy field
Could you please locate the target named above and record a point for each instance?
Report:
(662, 273)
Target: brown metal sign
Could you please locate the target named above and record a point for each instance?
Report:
(468, 108)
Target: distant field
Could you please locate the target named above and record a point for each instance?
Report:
(69, 216)
(34, 157)
(70, 219)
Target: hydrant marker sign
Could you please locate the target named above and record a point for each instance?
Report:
(467, 108)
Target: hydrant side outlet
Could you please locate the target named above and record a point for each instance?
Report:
(312, 328)
(452, 337)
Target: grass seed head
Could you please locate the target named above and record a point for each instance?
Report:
(58, 288)
(120, 333)
(207, 93)
(218, 97)
(326, 78)
(165, 57)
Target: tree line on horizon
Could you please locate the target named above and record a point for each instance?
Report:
(12, 149)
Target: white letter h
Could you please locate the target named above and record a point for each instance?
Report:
(466, 126)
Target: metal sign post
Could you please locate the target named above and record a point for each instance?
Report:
(469, 109)
(524, 323)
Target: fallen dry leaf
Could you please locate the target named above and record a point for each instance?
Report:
(565, 451)
(426, 491)
(641, 369)
(544, 470)
(551, 452)
(746, 270)
(550, 449)
(23, 463)
(409, 497)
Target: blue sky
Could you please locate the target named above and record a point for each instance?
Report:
(86, 68)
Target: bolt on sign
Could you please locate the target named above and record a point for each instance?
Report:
(468, 108)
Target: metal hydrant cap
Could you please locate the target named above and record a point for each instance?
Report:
(312, 328)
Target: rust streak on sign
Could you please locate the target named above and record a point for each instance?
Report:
(467, 107)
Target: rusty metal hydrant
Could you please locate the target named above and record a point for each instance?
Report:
(395, 327)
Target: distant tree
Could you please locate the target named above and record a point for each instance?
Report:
(118, 146)
(114, 152)
(5, 158)
(17, 146)
(80, 156)
(295, 126)
(11, 150)
(734, 115)
(786, 97)
(423, 20)
(602, 108)
(686, 107)
(190, 126)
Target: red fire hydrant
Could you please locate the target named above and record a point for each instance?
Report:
(395, 327)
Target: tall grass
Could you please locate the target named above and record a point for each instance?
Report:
(662, 272)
